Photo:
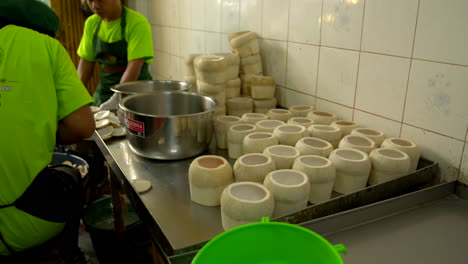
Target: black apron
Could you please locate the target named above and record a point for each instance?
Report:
(54, 195)
(112, 58)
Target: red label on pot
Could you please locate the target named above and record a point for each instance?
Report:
(135, 127)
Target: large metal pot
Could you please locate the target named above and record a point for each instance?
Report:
(168, 125)
(137, 87)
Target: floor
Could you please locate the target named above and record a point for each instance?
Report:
(49, 254)
(86, 245)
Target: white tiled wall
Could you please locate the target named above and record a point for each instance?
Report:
(389, 27)
(337, 75)
(382, 82)
(399, 66)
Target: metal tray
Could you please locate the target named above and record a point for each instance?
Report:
(425, 176)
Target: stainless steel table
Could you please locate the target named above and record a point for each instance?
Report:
(180, 227)
(175, 221)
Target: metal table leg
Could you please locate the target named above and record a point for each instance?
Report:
(118, 212)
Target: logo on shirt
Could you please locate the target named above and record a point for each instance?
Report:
(5, 88)
(5, 80)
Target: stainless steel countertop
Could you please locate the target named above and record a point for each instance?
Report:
(427, 226)
(181, 226)
(183, 222)
(434, 233)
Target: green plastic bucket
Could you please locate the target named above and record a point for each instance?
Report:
(99, 222)
(269, 243)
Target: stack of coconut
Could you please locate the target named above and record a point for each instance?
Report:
(216, 75)
(233, 83)
(258, 91)
(190, 76)
(218, 64)
(289, 158)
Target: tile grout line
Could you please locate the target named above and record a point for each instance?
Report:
(287, 51)
(220, 33)
(331, 47)
(191, 16)
(262, 38)
(240, 13)
(290, 89)
(440, 62)
(204, 26)
(359, 61)
(178, 32)
(240, 6)
(318, 57)
(411, 125)
(261, 28)
(409, 71)
(434, 132)
(377, 115)
(261, 21)
(461, 158)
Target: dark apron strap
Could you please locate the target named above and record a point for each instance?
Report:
(54, 194)
(6, 205)
(112, 58)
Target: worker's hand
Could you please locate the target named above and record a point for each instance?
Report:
(111, 104)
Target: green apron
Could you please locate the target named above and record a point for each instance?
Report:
(112, 58)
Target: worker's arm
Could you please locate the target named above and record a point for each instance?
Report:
(85, 70)
(133, 70)
(76, 126)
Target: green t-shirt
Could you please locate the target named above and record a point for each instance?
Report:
(137, 33)
(39, 86)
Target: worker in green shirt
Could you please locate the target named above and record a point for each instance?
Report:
(120, 40)
(42, 102)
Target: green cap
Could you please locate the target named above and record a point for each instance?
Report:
(32, 14)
